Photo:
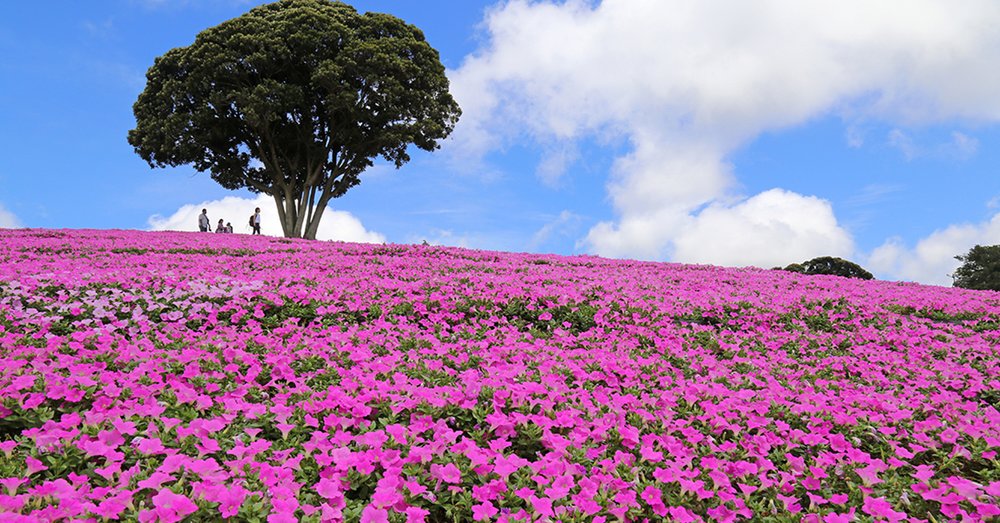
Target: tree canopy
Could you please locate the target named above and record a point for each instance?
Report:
(980, 269)
(295, 99)
(831, 265)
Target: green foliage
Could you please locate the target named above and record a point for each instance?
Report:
(302, 313)
(295, 99)
(832, 266)
(980, 269)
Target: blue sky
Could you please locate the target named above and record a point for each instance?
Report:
(725, 132)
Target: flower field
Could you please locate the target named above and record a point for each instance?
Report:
(199, 377)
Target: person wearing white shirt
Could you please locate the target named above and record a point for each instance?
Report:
(203, 223)
(256, 221)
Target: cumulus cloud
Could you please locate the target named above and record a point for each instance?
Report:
(686, 83)
(932, 259)
(335, 225)
(8, 220)
(773, 228)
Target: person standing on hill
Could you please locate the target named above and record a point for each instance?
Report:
(255, 221)
(229, 227)
(221, 227)
(203, 222)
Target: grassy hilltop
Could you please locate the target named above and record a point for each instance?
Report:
(180, 376)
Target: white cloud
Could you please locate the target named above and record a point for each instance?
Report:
(335, 225)
(679, 176)
(555, 163)
(873, 194)
(686, 83)
(960, 147)
(898, 139)
(634, 236)
(8, 220)
(932, 259)
(855, 136)
(564, 224)
(773, 228)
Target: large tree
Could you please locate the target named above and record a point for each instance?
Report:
(980, 269)
(295, 99)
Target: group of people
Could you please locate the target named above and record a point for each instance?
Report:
(204, 224)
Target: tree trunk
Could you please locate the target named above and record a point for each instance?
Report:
(282, 215)
(298, 220)
(315, 215)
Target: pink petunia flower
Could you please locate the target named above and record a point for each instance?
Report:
(34, 465)
(416, 514)
(374, 515)
(880, 507)
(949, 435)
(448, 473)
(155, 480)
(924, 473)
(171, 507)
(328, 488)
(484, 510)
(542, 506)
(112, 507)
(230, 499)
(386, 497)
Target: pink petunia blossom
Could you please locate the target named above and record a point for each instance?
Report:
(171, 507)
(34, 465)
(448, 473)
(420, 369)
(327, 488)
(541, 505)
(416, 514)
(484, 510)
(924, 472)
(156, 480)
(949, 436)
(880, 507)
(370, 514)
